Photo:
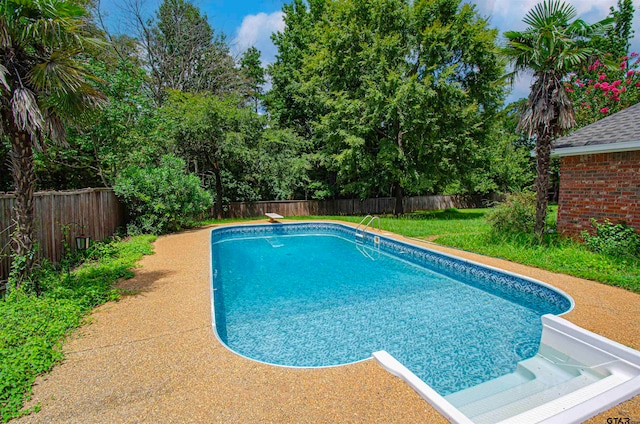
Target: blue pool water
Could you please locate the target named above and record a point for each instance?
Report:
(308, 296)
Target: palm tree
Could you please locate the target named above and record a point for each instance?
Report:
(42, 85)
(551, 47)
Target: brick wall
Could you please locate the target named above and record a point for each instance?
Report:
(599, 186)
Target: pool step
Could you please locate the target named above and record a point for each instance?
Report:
(535, 382)
(274, 242)
(554, 405)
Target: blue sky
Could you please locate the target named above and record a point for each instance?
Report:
(250, 22)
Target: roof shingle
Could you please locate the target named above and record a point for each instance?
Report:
(621, 127)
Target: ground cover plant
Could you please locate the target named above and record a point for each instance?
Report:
(468, 229)
(33, 327)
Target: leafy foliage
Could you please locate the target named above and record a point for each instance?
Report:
(284, 101)
(516, 214)
(126, 131)
(32, 328)
(161, 198)
(615, 40)
(613, 239)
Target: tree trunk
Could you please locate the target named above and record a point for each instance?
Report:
(23, 172)
(543, 161)
(218, 177)
(399, 194)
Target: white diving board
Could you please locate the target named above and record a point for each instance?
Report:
(273, 216)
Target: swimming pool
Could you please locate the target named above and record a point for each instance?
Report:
(309, 295)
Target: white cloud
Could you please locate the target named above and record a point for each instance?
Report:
(256, 30)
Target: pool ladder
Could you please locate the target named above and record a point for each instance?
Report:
(366, 223)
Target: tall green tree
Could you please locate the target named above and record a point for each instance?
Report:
(182, 51)
(616, 39)
(216, 136)
(404, 92)
(254, 74)
(283, 101)
(43, 83)
(554, 44)
(126, 130)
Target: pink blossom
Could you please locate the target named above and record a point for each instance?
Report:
(630, 73)
(602, 77)
(628, 81)
(617, 83)
(615, 91)
(623, 89)
(596, 85)
(569, 90)
(604, 110)
(638, 84)
(580, 85)
(623, 65)
(634, 54)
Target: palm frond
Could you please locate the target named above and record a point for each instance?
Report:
(5, 38)
(69, 105)
(550, 13)
(26, 112)
(55, 129)
(59, 70)
(601, 28)
(3, 77)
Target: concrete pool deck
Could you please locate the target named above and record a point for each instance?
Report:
(153, 357)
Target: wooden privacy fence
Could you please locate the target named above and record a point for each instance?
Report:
(94, 212)
(382, 205)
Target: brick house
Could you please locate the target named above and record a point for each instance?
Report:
(600, 173)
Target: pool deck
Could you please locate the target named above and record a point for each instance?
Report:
(153, 356)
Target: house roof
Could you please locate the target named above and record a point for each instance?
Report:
(614, 133)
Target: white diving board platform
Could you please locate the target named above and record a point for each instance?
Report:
(273, 216)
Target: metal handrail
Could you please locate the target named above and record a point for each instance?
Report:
(371, 220)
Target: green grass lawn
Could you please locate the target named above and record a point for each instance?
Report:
(467, 229)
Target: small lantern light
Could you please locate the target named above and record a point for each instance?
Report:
(82, 242)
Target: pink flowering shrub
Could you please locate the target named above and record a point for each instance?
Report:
(601, 91)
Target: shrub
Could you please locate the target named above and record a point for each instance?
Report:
(161, 198)
(516, 214)
(613, 239)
